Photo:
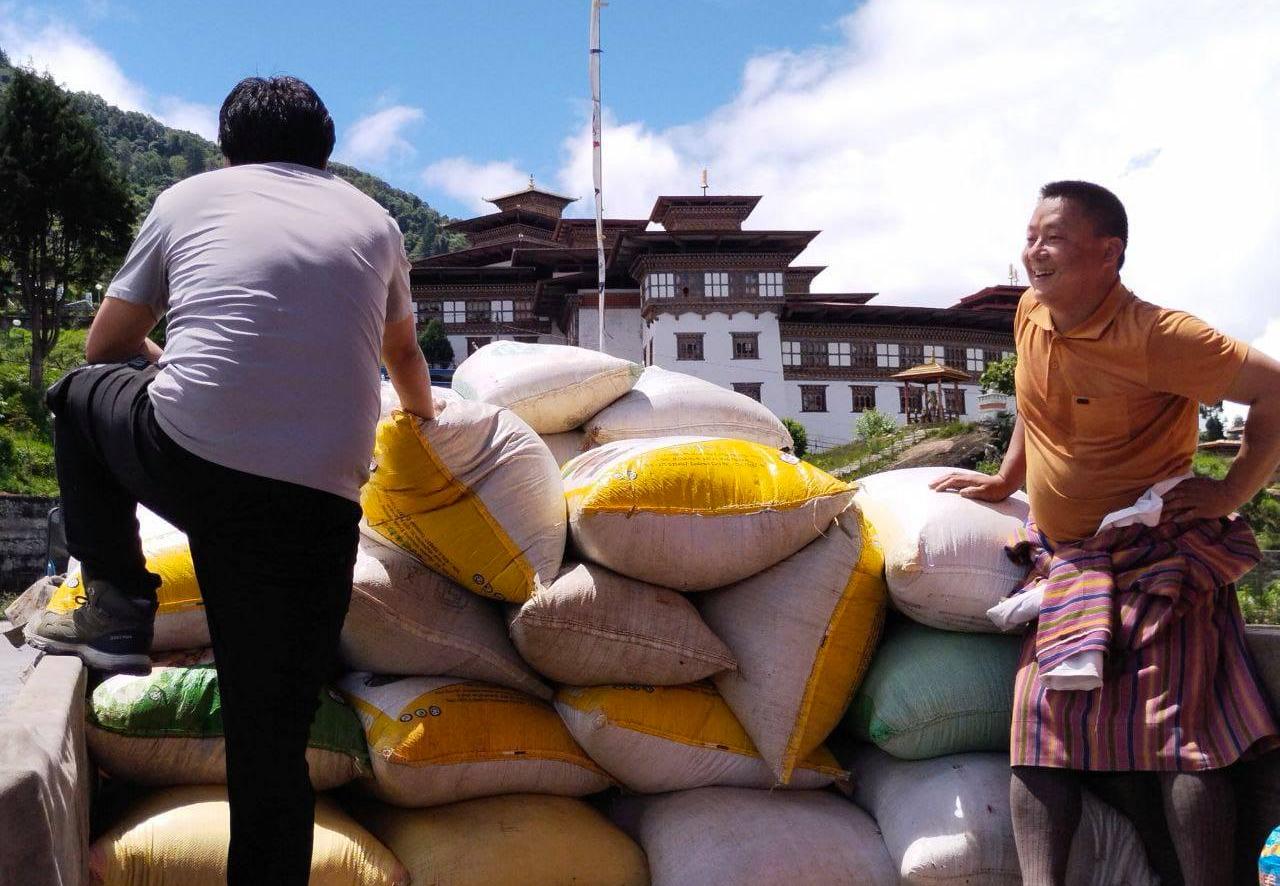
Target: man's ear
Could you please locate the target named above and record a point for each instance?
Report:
(1114, 249)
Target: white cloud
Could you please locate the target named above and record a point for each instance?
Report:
(377, 138)
(470, 183)
(78, 64)
(918, 142)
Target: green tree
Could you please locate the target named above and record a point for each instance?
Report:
(799, 437)
(435, 344)
(998, 376)
(65, 216)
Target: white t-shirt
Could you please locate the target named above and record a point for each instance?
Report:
(277, 280)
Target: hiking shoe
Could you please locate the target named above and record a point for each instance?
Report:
(109, 629)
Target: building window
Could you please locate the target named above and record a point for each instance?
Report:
(746, 345)
(688, 345)
(716, 284)
(770, 284)
(791, 353)
(917, 399)
(661, 285)
(749, 388)
(813, 398)
(974, 360)
(503, 311)
(839, 353)
(814, 353)
(420, 312)
(912, 355)
(455, 312)
(954, 357)
(936, 353)
(689, 284)
(954, 401)
(476, 342)
(864, 397)
(886, 355)
(1006, 354)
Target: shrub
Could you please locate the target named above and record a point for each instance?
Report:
(799, 437)
(873, 426)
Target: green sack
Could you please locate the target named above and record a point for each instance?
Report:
(930, 693)
(165, 728)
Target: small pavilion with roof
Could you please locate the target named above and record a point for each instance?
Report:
(935, 410)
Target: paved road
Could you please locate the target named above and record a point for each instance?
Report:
(14, 665)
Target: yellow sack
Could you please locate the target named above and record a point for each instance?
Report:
(474, 494)
(178, 837)
(516, 840)
(655, 739)
(437, 740)
(803, 633)
(693, 513)
(180, 619)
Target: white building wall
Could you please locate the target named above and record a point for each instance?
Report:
(835, 426)
(623, 331)
(459, 343)
(718, 365)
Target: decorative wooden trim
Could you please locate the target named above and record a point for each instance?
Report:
(933, 335)
(472, 291)
(708, 261)
(704, 307)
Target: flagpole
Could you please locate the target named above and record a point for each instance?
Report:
(595, 162)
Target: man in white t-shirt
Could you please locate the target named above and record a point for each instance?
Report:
(283, 288)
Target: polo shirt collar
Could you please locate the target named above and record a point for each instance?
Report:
(1095, 324)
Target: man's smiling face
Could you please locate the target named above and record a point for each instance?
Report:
(1064, 255)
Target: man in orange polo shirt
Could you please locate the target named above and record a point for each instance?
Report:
(1108, 389)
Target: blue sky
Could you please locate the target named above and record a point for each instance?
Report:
(913, 133)
(503, 77)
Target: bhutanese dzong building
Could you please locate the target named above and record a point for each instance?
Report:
(700, 294)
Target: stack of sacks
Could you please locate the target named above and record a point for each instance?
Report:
(940, 691)
(947, 820)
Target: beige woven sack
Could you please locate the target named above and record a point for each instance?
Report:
(665, 403)
(406, 619)
(803, 633)
(743, 837)
(593, 626)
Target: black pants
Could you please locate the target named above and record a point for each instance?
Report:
(274, 561)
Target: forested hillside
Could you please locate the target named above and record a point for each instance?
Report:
(152, 156)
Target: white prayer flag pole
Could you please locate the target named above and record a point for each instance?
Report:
(595, 161)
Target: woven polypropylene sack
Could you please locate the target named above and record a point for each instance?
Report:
(436, 740)
(944, 557)
(743, 837)
(947, 820)
(178, 837)
(593, 626)
(554, 388)
(930, 693)
(664, 404)
(693, 513)
(672, 738)
(565, 447)
(165, 728)
(803, 633)
(473, 494)
(391, 400)
(406, 619)
(526, 839)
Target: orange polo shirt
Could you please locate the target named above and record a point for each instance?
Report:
(1111, 407)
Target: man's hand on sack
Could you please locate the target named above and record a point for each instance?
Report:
(1199, 498)
(983, 487)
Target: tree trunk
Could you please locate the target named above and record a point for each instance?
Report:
(35, 369)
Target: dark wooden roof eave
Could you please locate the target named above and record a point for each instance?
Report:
(897, 315)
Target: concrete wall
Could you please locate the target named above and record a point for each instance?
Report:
(23, 521)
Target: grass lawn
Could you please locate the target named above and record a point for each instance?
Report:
(26, 449)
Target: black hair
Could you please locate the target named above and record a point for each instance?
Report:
(280, 119)
(1099, 205)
